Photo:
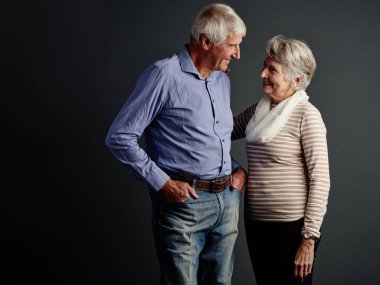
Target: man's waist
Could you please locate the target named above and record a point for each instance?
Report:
(198, 159)
(217, 184)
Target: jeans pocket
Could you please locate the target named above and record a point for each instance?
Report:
(177, 214)
(236, 190)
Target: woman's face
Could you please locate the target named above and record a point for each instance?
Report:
(275, 83)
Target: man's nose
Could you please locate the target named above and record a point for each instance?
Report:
(236, 53)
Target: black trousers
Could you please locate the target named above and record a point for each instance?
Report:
(272, 248)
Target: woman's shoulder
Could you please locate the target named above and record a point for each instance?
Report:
(306, 107)
(311, 116)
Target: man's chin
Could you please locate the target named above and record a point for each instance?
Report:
(225, 69)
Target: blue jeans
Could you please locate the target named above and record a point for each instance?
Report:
(195, 239)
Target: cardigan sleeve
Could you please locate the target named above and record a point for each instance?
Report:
(241, 122)
(314, 143)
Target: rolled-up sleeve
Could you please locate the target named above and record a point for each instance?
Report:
(138, 112)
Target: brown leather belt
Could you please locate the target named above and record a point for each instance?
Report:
(217, 185)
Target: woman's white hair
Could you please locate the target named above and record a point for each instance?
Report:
(216, 21)
(296, 56)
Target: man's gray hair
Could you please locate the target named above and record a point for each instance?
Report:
(296, 56)
(216, 21)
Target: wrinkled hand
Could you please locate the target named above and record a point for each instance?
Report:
(303, 262)
(178, 191)
(239, 178)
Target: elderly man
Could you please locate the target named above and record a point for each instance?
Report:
(182, 105)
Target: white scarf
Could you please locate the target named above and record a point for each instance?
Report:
(266, 123)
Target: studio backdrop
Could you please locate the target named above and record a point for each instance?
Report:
(70, 213)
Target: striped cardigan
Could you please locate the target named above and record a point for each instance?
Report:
(289, 176)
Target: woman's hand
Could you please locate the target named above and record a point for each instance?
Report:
(303, 262)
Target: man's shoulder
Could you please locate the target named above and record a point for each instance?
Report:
(162, 68)
(168, 63)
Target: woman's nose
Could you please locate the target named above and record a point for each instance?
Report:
(263, 73)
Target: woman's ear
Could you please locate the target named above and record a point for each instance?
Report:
(297, 82)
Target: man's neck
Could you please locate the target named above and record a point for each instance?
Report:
(198, 57)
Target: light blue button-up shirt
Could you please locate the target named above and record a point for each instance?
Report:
(187, 123)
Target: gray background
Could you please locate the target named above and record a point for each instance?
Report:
(71, 214)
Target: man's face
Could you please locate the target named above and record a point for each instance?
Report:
(223, 52)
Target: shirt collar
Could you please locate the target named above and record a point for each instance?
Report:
(187, 65)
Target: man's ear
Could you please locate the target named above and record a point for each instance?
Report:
(205, 42)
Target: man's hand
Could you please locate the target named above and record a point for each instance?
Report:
(303, 262)
(178, 191)
(239, 178)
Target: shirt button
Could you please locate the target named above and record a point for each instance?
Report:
(217, 122)
(222, 140)
(224, 162)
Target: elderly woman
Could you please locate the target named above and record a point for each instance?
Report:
(288, 179)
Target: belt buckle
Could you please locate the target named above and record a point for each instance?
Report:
(215, 182)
